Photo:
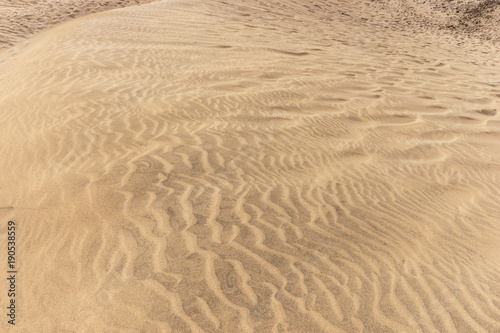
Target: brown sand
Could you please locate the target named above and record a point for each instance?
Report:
(20, 19)
(251, 166)
(478, 19)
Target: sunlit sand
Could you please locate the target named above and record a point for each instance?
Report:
(251, 166)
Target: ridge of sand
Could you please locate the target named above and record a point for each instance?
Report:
(251, 166)
(476, 19)
(22, 19)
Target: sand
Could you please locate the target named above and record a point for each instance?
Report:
(251, 166)
(20, 19)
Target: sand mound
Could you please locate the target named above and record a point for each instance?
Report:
(21, 19)
(251, 166)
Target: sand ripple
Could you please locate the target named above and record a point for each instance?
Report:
(251, 166)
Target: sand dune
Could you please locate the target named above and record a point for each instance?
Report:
(251, 166)
(20, 19)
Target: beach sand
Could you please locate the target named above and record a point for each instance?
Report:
(251, 166)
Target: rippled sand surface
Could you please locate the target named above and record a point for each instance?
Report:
(247, 166)
(20, 19)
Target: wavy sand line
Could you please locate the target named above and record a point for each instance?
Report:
(251, 167)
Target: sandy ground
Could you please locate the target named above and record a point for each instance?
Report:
(20, 19)
(251, 166)
(477, 19)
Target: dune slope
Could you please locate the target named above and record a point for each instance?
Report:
(251, 166)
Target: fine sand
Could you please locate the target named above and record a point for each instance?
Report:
(250, 166)
(20, 19)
